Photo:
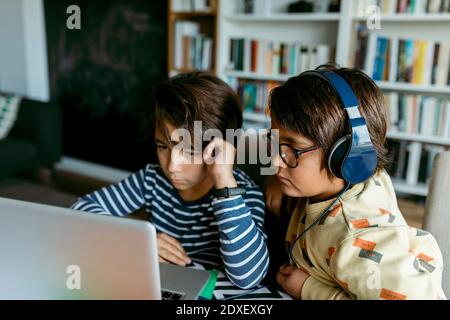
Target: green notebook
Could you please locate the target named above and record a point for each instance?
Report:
(208, 289)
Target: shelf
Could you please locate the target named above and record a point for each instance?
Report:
(206, 20)
(388, 86)
(190, 14)
(411, 18)
(175, 72)
(338, 29)
(408, 87)
(419, 189)
(419, 138)
(255, 76)
(285, 17)
(257, 117)
(384, 85)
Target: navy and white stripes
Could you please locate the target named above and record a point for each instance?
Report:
(226, 233)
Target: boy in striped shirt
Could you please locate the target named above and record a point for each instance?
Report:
(193, 225)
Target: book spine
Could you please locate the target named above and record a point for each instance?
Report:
(435, 63)
(409, 49)
(443, 65)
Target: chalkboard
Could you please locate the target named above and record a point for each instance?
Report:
(102, 74)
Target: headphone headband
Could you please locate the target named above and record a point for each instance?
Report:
(360, 160)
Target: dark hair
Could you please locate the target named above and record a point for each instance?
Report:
(308, 105)
(196, 96)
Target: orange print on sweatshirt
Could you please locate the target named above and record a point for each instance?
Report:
(360, 224)
(424, 257)
(391, 295)
(364, 244)
(331, 251)
(335, 210)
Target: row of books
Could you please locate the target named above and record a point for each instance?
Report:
(254, 94)
(191, 5)
(412, 162)
(403, 6)
(265, 6)
(276, 58)
(418, 114)
(404, 60)
(192, 50)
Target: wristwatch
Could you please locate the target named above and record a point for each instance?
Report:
(228, 192)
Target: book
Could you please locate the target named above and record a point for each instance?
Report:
(414, 156)
(381, 59)
(434, 6)
(254, 94)
(443, 64)
(207, 54)
(412, 162)
(208, 290)
(371, 53)
(390, 58)
(418, 114)
(190, 6)
(360, 44)
(275, 58)
(183, 29)
(393, 63)
(446, 125)
(247, 55)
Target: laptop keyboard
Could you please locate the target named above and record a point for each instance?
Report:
(171, 295)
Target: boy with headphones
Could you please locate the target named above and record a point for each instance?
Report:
(346, 238)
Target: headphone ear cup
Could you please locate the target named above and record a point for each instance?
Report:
(338, 154)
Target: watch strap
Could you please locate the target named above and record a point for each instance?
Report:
(228, 192)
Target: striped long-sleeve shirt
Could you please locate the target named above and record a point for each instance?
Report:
(221, 233)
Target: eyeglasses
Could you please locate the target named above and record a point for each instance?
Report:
(289, 154)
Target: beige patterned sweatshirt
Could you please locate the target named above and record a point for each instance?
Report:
(364, 249)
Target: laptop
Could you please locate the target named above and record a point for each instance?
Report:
(51, 253)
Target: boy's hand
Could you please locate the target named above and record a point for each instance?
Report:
(291, 279)
(171, 251)
(273, 195)
(219, 156)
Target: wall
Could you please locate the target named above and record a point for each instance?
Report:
(23, 53)
(102, 74)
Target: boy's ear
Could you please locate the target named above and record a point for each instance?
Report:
(205, 143)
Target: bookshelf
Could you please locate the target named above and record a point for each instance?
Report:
(418, 148)
(419, 189)
(419, 138)
(271, 22)
(414, 88)
(255, 76)
(201, 17)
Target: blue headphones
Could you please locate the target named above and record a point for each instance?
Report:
(352, 157)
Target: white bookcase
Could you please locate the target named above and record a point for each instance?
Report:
(271, 22)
